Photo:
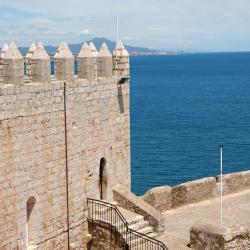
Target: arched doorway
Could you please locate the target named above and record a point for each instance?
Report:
(29, 221)
(103, 179)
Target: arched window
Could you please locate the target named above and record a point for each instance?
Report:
(29, 220)
(103, 179)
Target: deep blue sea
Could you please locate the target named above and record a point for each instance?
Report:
(182, 108)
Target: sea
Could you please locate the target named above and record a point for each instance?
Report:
(183, 107)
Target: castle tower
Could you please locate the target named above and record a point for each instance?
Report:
(66, 141)
(120, 60)
(28, 60)
(104, 62)
(12, 65)
(64, 63)
(40, 65)
(3, 50)
(86, 61)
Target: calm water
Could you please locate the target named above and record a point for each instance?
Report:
(182, 108)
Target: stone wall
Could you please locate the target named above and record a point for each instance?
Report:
(204, 237)
(96, 129)
(235, 182)
(33, 120)
(131, 202)
(166, 197)
(159, 197)
(32, 164)
(104, 237)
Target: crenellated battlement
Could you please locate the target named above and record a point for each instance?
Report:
(36, 65)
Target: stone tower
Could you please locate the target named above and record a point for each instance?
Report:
(59, 136)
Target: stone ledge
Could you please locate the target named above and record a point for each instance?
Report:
(193, 191)
(235, 182)
(166, 197)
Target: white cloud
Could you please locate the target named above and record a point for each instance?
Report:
(166, 24)
(85, 32)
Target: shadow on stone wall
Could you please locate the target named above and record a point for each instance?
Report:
(105, 237)
(120, 100)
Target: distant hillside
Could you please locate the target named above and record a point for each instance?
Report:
(75, 48)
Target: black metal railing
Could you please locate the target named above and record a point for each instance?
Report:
(103, 211)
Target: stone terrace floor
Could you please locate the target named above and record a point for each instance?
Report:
(179, 221)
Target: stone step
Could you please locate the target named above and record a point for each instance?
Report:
(146, 230)
(136, 219)
(137, 226)
(153, 235)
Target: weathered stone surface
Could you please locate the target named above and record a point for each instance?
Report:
(159, 198)
(12, 65)
(120, 60)
(131, 202)
(172, 243)
(235, 182)
(39, 65)
(193, 191)
(166, 197)
(64, 63)
(235, 211)
(104, 62)
(204, 237)
(3, 50)
(33, 160)
(86, 63)
(28, 61)
(104, 237)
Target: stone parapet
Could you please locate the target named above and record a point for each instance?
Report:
(131, 202)
(159, 197)
(40, 65)
(104, 62)
(120, 60)
(89, 64)
(86, 63)
(193, 191)
(166, 197)
(12, 65)
(235, 182)
(64, 63)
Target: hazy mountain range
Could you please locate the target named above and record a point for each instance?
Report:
(75, 48)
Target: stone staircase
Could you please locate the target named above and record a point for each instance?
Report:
(138, 223)
(135, 222)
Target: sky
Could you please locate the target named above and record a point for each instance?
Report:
(189, 25)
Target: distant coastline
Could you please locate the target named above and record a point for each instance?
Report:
(133, 50)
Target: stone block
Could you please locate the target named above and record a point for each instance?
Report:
(235, 182)
(194, 191)
(159, 198)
